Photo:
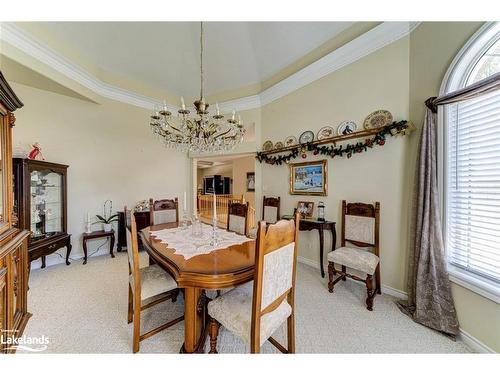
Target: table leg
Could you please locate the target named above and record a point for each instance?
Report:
(68, 251)
(85, 251)
(334, 237)
(321, 244)
(111, 245)
(195, 327)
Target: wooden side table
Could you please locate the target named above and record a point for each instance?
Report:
(321, 226)
(95, 235)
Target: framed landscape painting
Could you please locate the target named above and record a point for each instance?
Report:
(308, 178)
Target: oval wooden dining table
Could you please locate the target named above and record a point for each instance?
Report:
(219, 269)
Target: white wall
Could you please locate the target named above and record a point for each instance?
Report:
(110, 151)
(378, 81)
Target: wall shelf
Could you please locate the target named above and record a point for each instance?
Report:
(334, 140)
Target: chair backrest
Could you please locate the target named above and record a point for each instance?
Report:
(275, 268)
(163, 211)
(360, 224)
(132, 250)
(270, 209)
(237, 214)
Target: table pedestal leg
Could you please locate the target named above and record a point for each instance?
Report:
(195, 327)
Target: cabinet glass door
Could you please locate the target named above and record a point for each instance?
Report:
(46, 203)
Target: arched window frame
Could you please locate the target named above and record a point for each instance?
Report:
(455, 78)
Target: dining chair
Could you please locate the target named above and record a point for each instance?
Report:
(237, 215)
(163, 211)
(147, 286)
(270, 209)
(255, 310)
(360, 227)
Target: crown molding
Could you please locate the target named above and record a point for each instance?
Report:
(367, 43)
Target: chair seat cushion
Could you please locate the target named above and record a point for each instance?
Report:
(154, 281)
(234, 311)
(358, 259)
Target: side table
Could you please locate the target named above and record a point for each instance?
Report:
(98, 234)
(321, 226)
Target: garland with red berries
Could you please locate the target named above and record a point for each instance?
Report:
(396, 128)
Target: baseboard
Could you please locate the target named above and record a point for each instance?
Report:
(390, 291)
(473, 343)
(469, 340)
(56, 258)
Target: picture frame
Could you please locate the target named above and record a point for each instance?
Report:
(309, 178)
(250, 183)
(305, 209)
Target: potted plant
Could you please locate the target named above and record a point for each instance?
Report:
(107, 221)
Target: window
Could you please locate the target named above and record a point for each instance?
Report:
(471, 173)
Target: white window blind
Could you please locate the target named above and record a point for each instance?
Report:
(473, 186)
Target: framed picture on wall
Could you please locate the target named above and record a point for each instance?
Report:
(305, 209)
(308, 178)
(250, 181)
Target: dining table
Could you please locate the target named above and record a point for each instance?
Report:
(223, 268)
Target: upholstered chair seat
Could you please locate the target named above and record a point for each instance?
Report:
(233, 310)
(154, 281)
(358, 259)
(237, 224)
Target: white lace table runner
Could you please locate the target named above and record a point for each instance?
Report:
(185, 244)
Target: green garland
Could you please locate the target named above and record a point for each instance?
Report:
(396, 128)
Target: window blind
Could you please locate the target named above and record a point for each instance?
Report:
(473, 186)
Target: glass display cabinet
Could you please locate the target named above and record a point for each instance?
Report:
(40, 203)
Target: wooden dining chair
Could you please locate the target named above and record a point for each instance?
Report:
(163, 211)
(360, 227)
(255, 310)
(270, 209)
(237, 217)
(147, 286)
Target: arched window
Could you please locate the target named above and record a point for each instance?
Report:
(471, 168)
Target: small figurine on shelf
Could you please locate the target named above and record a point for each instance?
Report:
(35, 151)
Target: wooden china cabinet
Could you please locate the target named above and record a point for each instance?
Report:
(13, 241)
(40, 192)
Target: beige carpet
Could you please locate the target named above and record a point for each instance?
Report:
(83, 309)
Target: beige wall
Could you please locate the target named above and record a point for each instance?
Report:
(110, 151)
(379, 81)
(240, 168)
(433, 47)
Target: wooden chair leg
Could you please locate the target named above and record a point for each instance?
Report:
(377, 279)
(331, 276)
(213, 331)
(130, 316)
(175, 294)
(344, 269)
(290, 326)
(137, 327)
(370, 291)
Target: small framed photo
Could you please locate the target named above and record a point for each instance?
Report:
(250, 181)
(305, 209)
(308, 178)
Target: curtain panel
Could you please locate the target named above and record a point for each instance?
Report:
(429, 291)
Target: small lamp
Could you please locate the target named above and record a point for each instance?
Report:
(321, 211)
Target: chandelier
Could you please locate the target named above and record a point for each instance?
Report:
(200, 132)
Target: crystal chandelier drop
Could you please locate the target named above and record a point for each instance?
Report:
(200, 132)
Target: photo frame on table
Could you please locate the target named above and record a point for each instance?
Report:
(250, 181)
(309, 178)
(305, 209)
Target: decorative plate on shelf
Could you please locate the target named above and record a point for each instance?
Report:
(346, 127)
(267, 146)
(278, 145)
(290, 141)
(377, 119)
(306, 137)
(325, 132)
